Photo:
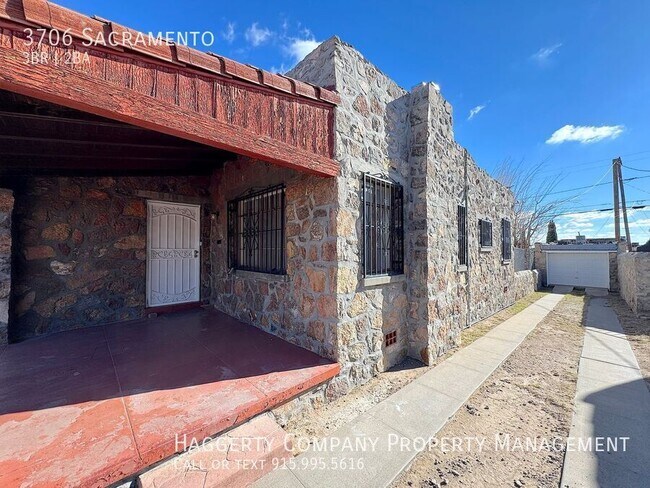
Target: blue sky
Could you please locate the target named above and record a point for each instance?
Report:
(525, 70)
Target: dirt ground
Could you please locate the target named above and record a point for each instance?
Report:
(530, 395)
(329, 417)
(637, 330)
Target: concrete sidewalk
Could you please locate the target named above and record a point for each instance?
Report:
(612, 401)
(374, 448)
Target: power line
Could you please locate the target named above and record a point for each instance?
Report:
(570, 212)
(609, 219)
(600, 161)
(637, 169)
(639, 189)
(597, 184)
(591, 205)
(592, 186)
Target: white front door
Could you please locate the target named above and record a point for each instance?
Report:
(173, 253)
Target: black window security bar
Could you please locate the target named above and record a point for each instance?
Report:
(256, 231)
(462, 235)
(485, 228)
(506, 240)
(383, 226)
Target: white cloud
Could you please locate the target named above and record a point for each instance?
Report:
(229, 34)
(601, 224)
(544, 54)
(585, 134)
(474, 112)
(281, 70)
(297, 48)
(256, 35)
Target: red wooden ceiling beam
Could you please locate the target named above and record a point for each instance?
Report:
(52, 16)
(78, 90)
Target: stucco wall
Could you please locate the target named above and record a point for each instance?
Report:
(634, 280)
(79, 256)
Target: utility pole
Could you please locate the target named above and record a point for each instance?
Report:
(628, 240)
(617, 217)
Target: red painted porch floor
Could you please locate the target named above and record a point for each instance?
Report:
(89, 407)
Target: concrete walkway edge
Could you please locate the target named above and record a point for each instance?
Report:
(612, 402)
(387, 438)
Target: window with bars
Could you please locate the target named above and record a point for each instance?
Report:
(256, 231)
(485, 229)
(383, 227)
(462, 235)
(506, 240)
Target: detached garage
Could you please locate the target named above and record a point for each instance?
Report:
(582, 265)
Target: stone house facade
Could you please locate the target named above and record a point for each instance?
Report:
(380, 128)
(78, 244)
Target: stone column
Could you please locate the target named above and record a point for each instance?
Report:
(431, 312)
(6, 207)
(437, 286)
(417, 236)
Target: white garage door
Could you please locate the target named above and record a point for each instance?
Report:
(578, 268)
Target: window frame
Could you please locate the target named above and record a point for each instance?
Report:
(506, 236)
(463, 244)
(389, 261)
(483, 245)
(275, 259)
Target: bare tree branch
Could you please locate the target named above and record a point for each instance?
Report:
(534, 203)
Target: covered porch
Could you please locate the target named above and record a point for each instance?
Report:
(91, 406)
(95, 382)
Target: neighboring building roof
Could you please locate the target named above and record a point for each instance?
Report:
(579, 247)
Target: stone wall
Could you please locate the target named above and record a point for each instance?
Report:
(79, 256)
(301, 306)
(634, 281)
(408, 137)
(6, 209)
(80, 253)
(540, 263)
(440, 169)
(613, 272)
(370, 136)
(526, 282)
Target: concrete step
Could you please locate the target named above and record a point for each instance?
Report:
(235, 459)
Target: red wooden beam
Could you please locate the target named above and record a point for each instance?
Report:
(50, 15)
(77, 89)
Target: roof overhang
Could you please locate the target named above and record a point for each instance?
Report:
(168, 88)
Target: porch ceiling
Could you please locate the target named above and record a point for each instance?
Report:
(167, 88)
(37, 137)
